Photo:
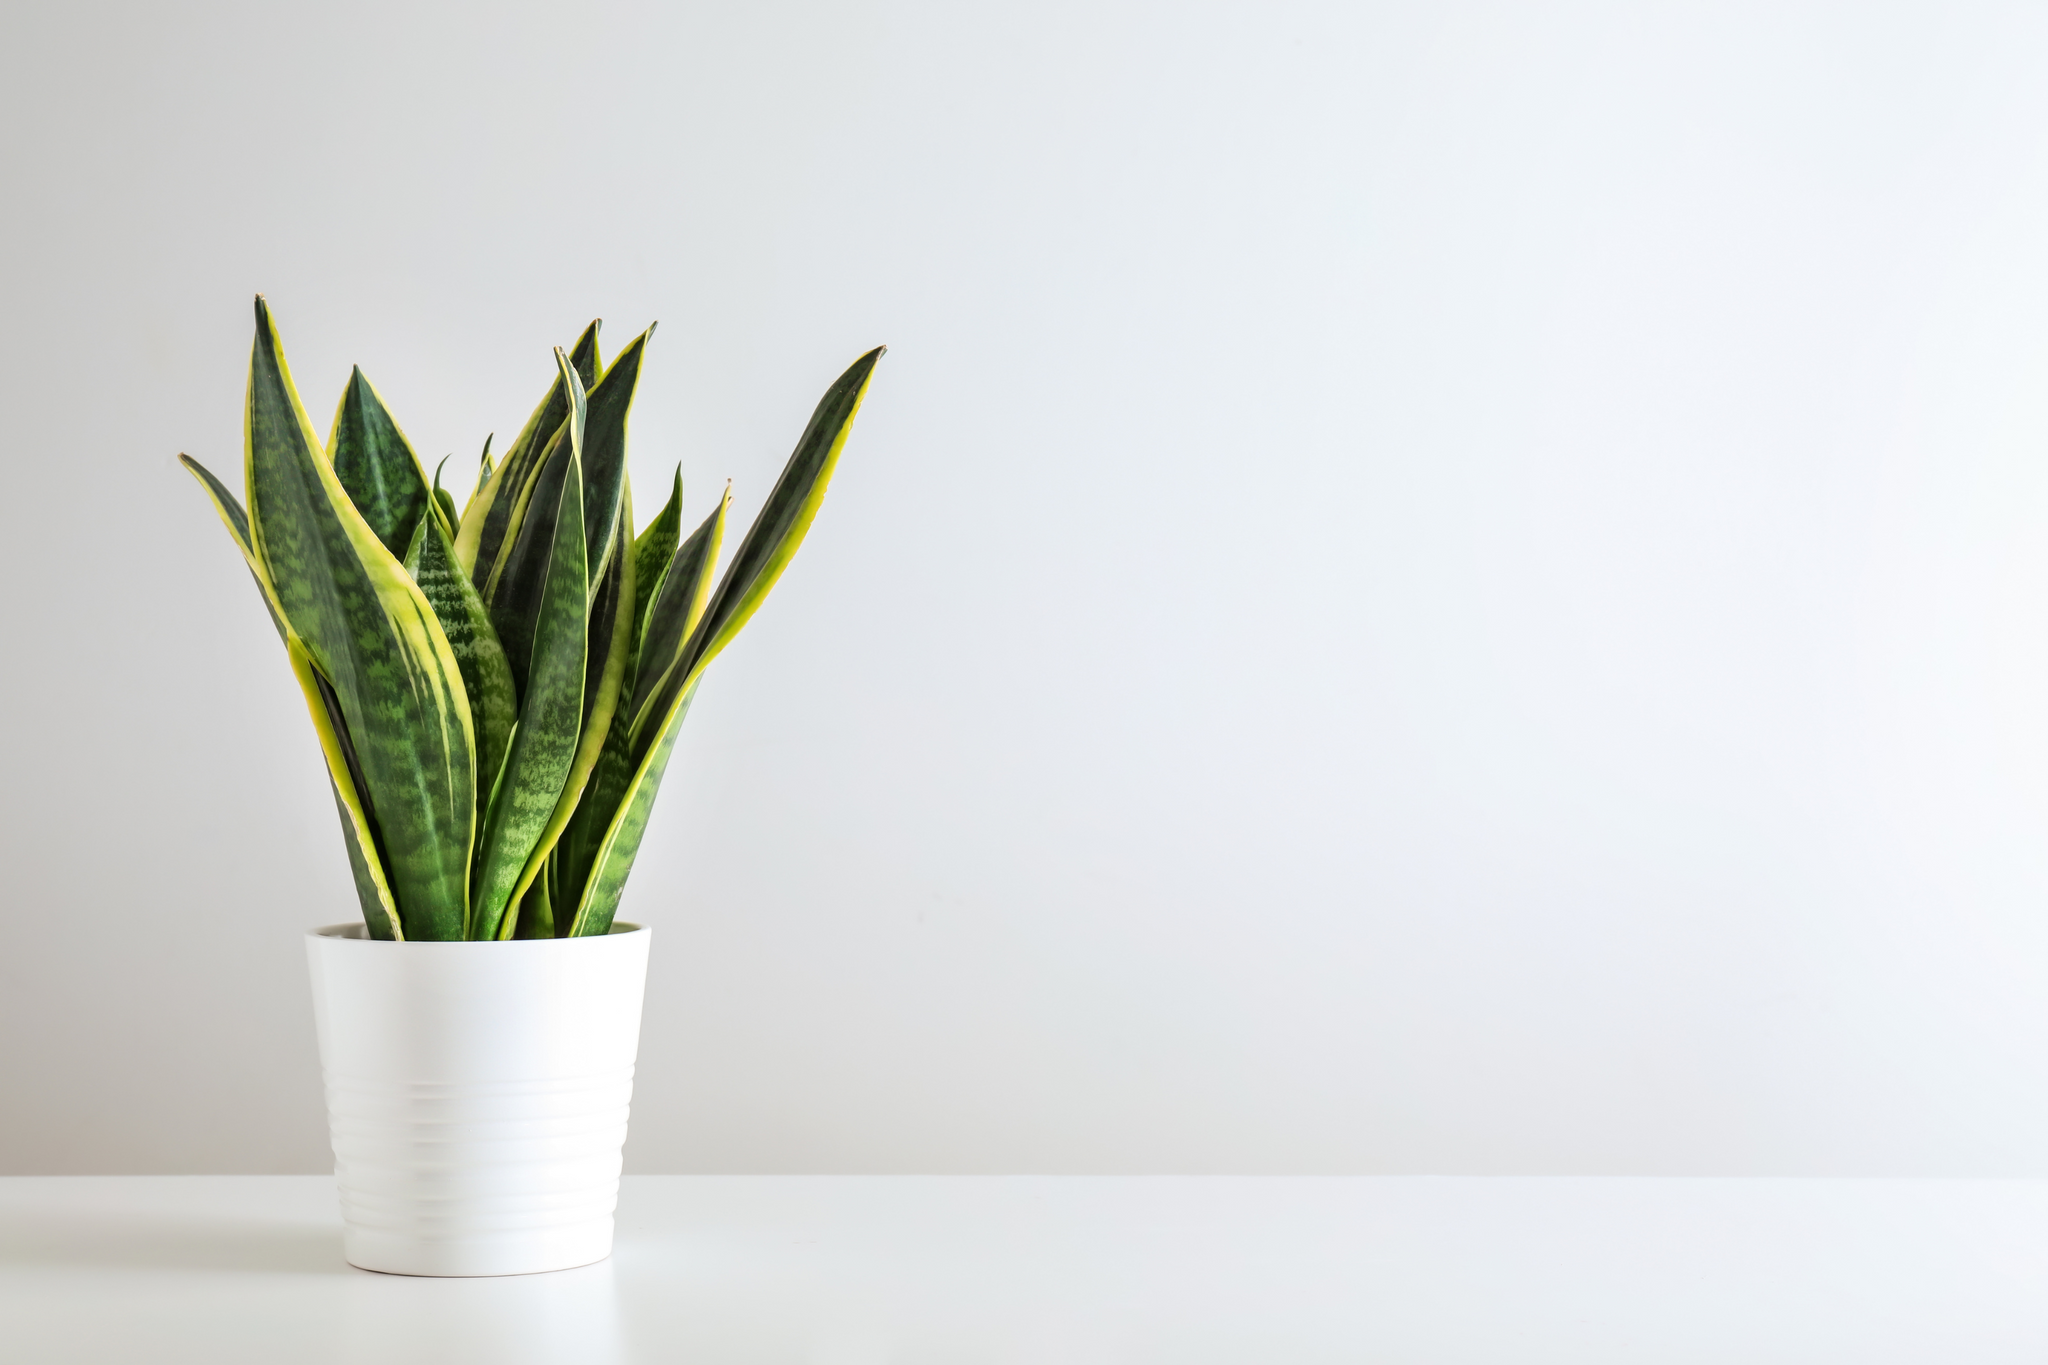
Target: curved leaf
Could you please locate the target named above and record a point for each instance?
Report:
(483, 480)
(769, 545)
(344, 774)
(344, 771)
(237, 521)
(371, 634)
(443, 501)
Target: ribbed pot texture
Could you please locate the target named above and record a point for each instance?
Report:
(477, 1096)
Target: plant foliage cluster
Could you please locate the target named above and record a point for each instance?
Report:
(497, 690)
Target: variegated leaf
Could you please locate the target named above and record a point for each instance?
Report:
(486, 675)
(370, 633)
(551, 575)
(769, 545)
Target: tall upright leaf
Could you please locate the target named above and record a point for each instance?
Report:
(606, 665)
(371, 634)
(549, 580)
(514, 591)
(677, 608)
(653, 550)
(486, 676)
(607, 878)
(481, 543)
(770, 543)
(376, 464)
(604, 452)
(685, 580)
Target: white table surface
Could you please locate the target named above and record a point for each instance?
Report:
(867, 1270)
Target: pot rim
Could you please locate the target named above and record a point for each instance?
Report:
(355, 931)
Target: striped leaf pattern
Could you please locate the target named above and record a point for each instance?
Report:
(370, 634)
(497, 691)
(376, 464)
(542, 617)
(771, 542)
(486, 676)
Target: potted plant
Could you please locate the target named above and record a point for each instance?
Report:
(497, 691)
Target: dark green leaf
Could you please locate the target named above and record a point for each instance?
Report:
(444, 502)
(671, 618)
(486, 675)
(366, 857)
(770, 542)
(607, 881)
(498, 508)
(762, 556)
(370, 633)
(376, 464)
(606, 665)
(604, 452)
(653, 551)
(554, 639)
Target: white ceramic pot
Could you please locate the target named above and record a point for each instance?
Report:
(477, 1096)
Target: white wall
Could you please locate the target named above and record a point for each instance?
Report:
(1424, 587)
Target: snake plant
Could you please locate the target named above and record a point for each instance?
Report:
(497, 690)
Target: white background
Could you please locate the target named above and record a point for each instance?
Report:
(1424, 587)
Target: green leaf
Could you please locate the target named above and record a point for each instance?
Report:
(444, 501)
(600, 899)
(372, 636)
(606, 664)
(514, 594)
(536, 908)
(483, 480)
(376, 464)
(769, 545)
(344, 770)
(237, 521)
(686, 582)
(653, 551)
(552, 573)
(486, 675)
(369, 877)
(674, 613)
(604, 452)
(345, 777)
(496, 510)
